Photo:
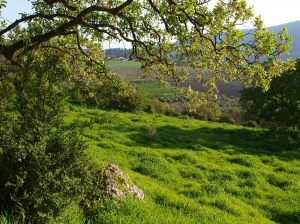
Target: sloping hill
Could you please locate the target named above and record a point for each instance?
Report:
(193, 171)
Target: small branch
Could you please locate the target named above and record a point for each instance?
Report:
(59, 49)
(64, 2)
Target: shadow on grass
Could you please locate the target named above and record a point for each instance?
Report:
(244, 141)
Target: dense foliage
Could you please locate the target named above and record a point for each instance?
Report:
(43, 166)
(280, 105)
(161, 34)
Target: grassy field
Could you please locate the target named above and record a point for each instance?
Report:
(123, 64)
(192, 171)
(131, 72)
(153, 90)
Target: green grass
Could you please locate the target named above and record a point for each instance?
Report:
(196, 172)
(192, 171)
(124, 64)
(153, 90)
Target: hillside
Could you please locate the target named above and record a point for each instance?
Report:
(193, 171)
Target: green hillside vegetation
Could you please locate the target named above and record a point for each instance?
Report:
(195, 171)
(66, 114)
(153, 90)
(191, 171)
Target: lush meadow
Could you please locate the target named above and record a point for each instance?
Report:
(193, 171)
(70, 119)
(190, 171)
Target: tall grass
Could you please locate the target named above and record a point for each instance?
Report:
(197, 172)
(192, 171)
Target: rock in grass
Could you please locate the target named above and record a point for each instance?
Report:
(118, 184)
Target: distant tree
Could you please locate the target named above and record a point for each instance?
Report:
(280, 105)
(114, 53)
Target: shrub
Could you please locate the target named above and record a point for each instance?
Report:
(251, 124)
(110, 91)
(170, 111)
(150, 133)
(227, 119)
(207, 111)
(43, 166)
(157, 106)
(185, 117)
(137, 101)
(292, 134)
(233, 116)
(124, 99)
(149, 109)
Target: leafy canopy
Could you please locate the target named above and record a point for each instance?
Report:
(161, 34)
(281, 104)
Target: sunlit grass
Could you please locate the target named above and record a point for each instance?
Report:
(194, 170)
(153, 90)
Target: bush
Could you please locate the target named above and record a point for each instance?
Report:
(149, 109)
(130, 103)
(157, 107)
(209, 111)
(110, 91)
(251, 124)
(279, 106)
(124, 98)
(227, 119)
(291, 134)
(170, 111)
(43, 166)
(233, 116)
(136, 101)
(150, 133)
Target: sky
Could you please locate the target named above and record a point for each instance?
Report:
(273, 12)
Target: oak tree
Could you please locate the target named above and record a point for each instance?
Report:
(161, 34)
(278, 107)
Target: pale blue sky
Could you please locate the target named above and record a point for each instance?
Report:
(274, 12)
